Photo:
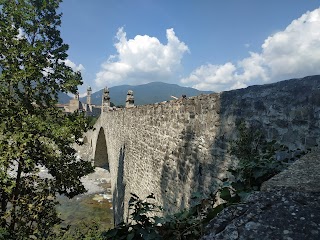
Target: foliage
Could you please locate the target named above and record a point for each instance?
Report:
(257, 159)
(142, 224)
(190, 223)
(34, 134)
(92, 120)
(4, 234)
(87, 231)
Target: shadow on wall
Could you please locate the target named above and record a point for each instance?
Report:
(101, 154)
(119, 190)
(287, 111)
(195, 165)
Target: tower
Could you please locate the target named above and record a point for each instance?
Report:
(89, 91)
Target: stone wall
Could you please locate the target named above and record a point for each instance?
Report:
(287, 207)
(176, 148)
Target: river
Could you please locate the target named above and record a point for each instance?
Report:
(94, 206)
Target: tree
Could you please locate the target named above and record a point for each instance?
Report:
(34, 133)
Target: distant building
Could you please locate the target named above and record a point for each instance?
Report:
(75, 105)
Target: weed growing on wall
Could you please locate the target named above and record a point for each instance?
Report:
(258, 161)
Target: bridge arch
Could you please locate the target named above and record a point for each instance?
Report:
(101, 158)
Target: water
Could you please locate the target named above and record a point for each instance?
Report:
(93, 207)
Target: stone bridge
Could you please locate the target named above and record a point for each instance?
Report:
(176, 148)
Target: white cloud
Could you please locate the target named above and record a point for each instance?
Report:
(211, 77)
(293, 52)
(252, 67)
(74, 66)
(46, 71)
(142, 59)
(296, 50)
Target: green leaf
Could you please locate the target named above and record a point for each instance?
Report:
(225, 194)
(214, 212)
(130, 236)
(259, 173)
(238, 186)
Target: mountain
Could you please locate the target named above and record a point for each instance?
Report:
(145, 94)
(63, 98)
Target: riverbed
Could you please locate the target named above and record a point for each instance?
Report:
(95, 206)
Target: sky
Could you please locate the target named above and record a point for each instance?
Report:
(216, 45)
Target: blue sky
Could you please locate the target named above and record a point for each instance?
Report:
(207, 44)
